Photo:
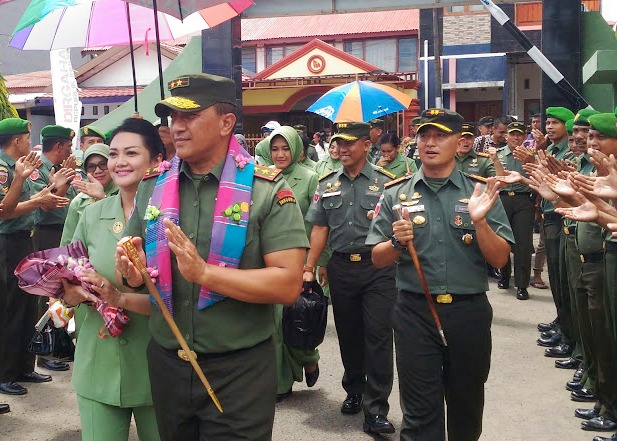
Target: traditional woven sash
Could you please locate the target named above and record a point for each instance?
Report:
(231, 215)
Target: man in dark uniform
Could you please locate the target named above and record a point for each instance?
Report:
(456, 228)
(362, 295)
(376, 131)
(472, 162)
(18, 309)
(230, 326)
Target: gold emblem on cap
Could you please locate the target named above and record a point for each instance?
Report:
(182, 103)
(419, 220)
(118, 227)
(85, 130)
(467, 239)
(416, 195)
(370, 214)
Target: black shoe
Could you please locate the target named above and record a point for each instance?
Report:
(550, 342)
(570, 363)
(586, 414)
(599, 423)
(54, 365)
(503, 283)
(548, 326)
(377, 424)
(574, 385)
(12, 388)
(578, 375)
(311, 378)
(4, 408)
(34, 377)
(583, 395)
(548, 334)
(559, 351)
(352, 404)
(601, 438)
(494, 273)
(281, 397)
(522, 294)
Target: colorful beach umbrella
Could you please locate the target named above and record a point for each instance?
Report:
(182, 8)
(360, 101)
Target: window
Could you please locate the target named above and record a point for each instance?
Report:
(249, 59)
(456, 9)
(471, 9)
(355, 48)
(530, 14)
(391, 55)
(105, 110)
(95, 110)
(277, 53)
(407, 55)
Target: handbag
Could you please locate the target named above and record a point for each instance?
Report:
(50, 341)
(304, 322)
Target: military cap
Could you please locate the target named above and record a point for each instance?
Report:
(416, 121)
(53, 131)
(97, 149)
(582, 117)
(14, 126)
(351, 131)
(445, 120)
(517, 127)
(376, 123)
(300, 128)
(195, 92)
(486, 121)
(91, 131)
(570, 126)
(468, 129)
(560, 113)
(604, 123)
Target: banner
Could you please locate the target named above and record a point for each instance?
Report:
(67, 106)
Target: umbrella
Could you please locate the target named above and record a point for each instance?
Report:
(182, 8)
(359, 101)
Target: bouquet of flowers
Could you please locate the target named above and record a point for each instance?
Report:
(41, 274)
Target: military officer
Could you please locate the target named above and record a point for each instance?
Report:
(519, 206)
(456, 228)
(392, 159)
(470, 161)
(18, 309)
(376, 131)
(269, 245)
(485, 125)
(362, 295)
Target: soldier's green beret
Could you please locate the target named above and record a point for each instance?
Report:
(570, 126)
(91, 131)
(604, 123)
(14, 126)
(57, 132)
(560, 113)
(582, 117)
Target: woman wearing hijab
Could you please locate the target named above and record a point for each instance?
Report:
(330, 162)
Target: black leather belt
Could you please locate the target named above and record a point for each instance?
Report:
(447, 298)
(25, 234)
(353, 257)
(592, 257)
(514, 193)
(552, 216)
(54, 227)
(610, 247)
(569, 230)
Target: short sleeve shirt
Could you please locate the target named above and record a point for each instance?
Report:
(26, 221)
(560, 151)
(506, 157)
(40, 180)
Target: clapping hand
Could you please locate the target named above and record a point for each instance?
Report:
(69, 162)
(49, 201)
(190, 264)
(524, 155)
(59, 179)
(25, 165)
(481, 202)
(92, 187)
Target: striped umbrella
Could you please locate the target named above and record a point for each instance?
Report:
(359, 101)
(179, 8)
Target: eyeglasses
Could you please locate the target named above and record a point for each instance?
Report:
(91, 168)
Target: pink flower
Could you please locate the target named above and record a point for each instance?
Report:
(241, 160)
(164, 166)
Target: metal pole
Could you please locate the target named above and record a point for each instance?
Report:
(426, 74)
(158, 56)
(437, 52)
(128, 20)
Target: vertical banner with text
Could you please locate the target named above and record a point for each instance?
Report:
(67, 106)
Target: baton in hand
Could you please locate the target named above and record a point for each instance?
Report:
(398, 209)
(133, 256)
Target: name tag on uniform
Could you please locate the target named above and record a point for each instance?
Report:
(372, 193)
(461, 209)
(474, 169)
(333, 193)
(415, 208)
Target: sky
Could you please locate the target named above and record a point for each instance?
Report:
(609, 10)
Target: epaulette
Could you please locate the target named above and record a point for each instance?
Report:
(383, 171)
(477, 178)
(322, 177)
(396, 181)
(267, 173)
(151, 172)
(484, 155)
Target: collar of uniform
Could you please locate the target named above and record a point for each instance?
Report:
(6, 158)
(46, 162)
(455, 178)
(586, 164)
(562, 145)
(367, 171)
(216, 171)
(505, 150)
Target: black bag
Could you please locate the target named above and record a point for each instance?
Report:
(304, 322)
(54, 342)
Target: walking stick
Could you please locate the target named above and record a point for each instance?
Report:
(427, 293)
(133, 256)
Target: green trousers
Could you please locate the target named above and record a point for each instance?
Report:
(102, 422)
(520, 211)
(573, 271)
(290, 362)
(610, 344)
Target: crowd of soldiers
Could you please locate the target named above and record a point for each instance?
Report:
(404, 233)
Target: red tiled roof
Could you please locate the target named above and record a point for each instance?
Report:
(28, 82)
(326, 25)
(102, 92)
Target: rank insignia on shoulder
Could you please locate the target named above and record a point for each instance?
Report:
(151, 172)
(322, 177)
(267, 173)
(483, 154)
(383, 171)
(285, 196)
(396, 181)
(477, 178)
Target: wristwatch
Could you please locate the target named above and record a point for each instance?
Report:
(396, 244)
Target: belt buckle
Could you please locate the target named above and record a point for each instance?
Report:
(511, 193)
(444, 298)
(566, 230)
(355, 257)
(184, 356)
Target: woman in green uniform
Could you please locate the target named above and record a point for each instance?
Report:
(285, 148)
(393, 160)
(330, 162)
(110, 375)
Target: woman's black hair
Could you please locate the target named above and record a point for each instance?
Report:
(147, 131)
(305, 143)
(390, 138)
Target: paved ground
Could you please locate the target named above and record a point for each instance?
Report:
(526, 398)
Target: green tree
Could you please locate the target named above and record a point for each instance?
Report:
(6, 108)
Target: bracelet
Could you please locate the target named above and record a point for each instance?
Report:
(66, 305)
(308, 269)
(396, 244)
(136, 288)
